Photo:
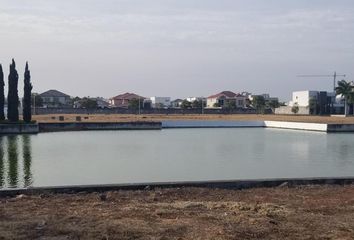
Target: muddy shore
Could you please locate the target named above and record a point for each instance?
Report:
(307, 212)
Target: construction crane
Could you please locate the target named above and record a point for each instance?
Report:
(334, 76)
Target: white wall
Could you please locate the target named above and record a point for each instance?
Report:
(211, 102)
(297, 125)
(165, 101)
(302, 98)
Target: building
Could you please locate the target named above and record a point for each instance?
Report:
(160, 102)
(101, 102)
(123, 100)
(266, 97)
(314, 103)
(224, 98)
(55, 98)
(302, 98)
(176, 103)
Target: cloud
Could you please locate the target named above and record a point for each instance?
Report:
(200, 40)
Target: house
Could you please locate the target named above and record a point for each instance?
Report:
(176, 103)
(266, 97)
(100, 102)
(123, 100)
(224, 98)
(313, 102)
(55, 98)
(160, 102)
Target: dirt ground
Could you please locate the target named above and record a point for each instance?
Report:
(159, 117)
(309, 212)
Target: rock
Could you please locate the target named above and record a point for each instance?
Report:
(284, 184)
(20, 196)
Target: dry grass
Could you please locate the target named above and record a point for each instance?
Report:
(321, 212)
(159, 117)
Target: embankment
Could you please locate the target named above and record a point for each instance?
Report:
(82, 126)
(18, 128)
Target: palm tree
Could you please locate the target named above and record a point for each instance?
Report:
(345, 89)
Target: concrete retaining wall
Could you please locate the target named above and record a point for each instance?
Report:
(319, 127)
(80, 126)
(296, 126)
(230, 184)
(340, 128)
(211, 124)
(13, 128)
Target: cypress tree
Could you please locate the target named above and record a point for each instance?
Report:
(12, 97)
(27, 115)
(2, 95)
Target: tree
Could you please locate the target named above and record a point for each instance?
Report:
(231, 104)
(345, 89)
(27, 114)
(134, 104)
(295, 109)
(88, 103)
(216, 105)
(258, 103)
(186, 104)
(2, 95)
(12, 97)
(197, 104)
(273, 104)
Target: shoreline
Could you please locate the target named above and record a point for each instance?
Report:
(217, 184)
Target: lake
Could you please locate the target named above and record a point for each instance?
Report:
(113, 157)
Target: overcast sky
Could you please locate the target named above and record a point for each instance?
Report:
(178, 48)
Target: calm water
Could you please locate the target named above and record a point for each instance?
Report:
(106, 157)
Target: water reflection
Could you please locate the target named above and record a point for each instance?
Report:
(27, 160)
(10, 157)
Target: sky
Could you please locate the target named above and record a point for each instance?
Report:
(178, 48)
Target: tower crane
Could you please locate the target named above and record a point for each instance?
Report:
(334, 76)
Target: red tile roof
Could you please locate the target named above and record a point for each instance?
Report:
(226, 94)
(128, 96)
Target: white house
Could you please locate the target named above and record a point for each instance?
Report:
(160, 102)
(176, 103)
(302, 98)
(223, 98)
